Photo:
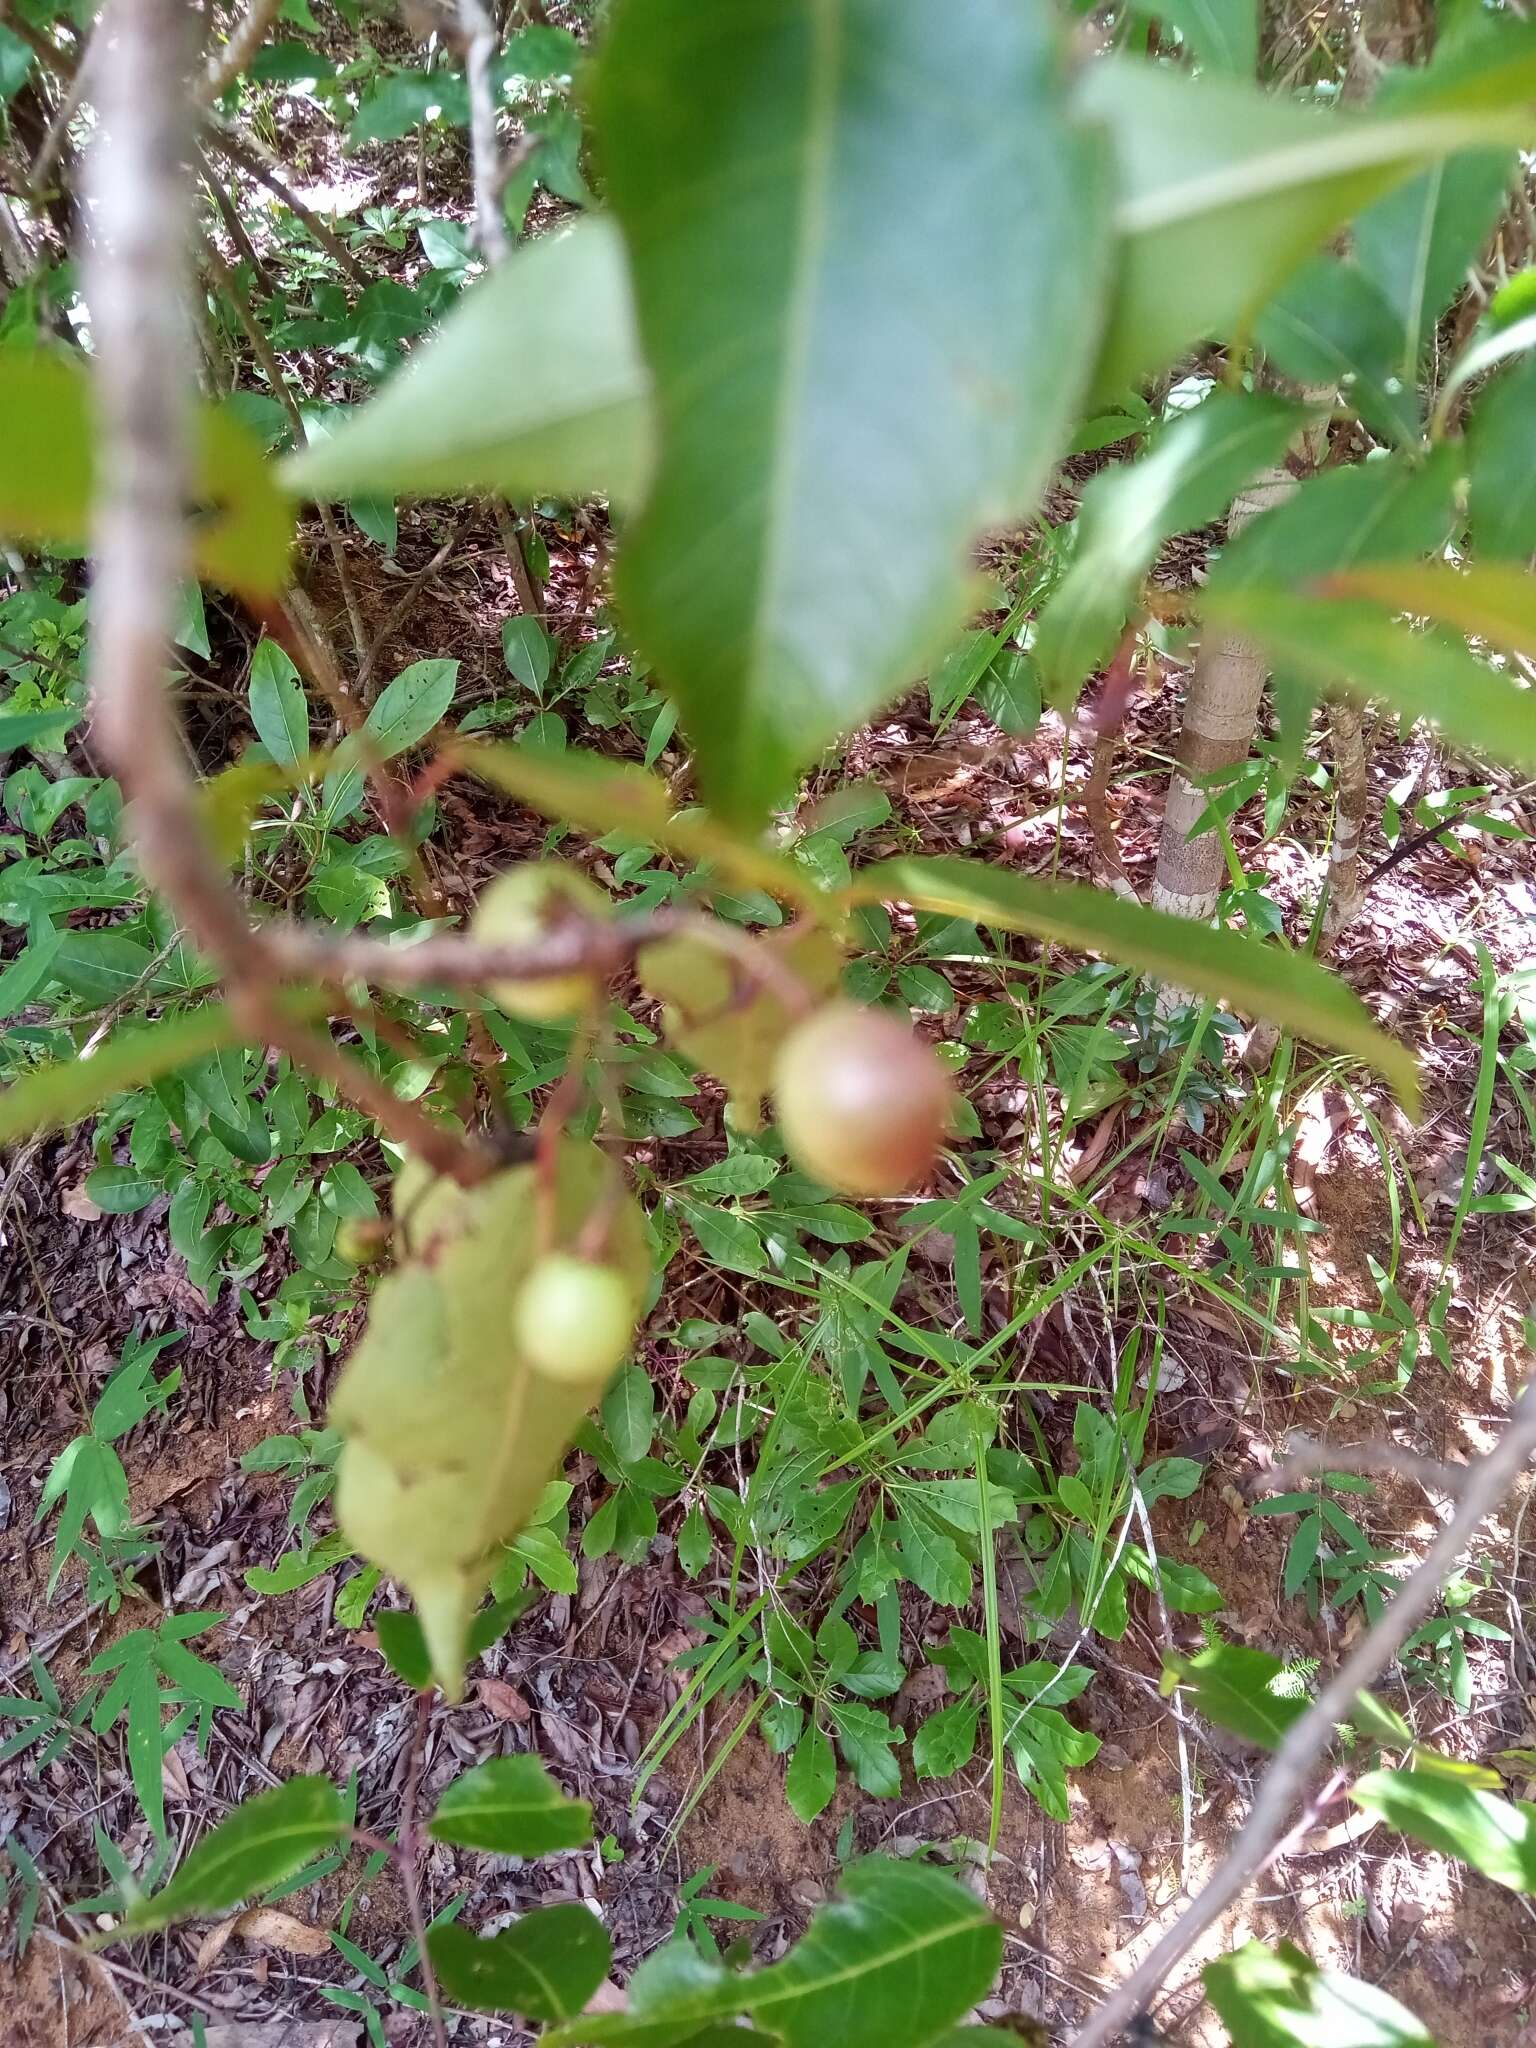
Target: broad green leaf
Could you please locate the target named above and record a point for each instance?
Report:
(1356, 646)
(404, 1647)
(629, 1414)
(121, 1190)
(513, 1807)
(1276, 1997)
(528, 651)
(612, 796)
(1496, 1836)
(279, 708)
(241, 534)
(401, 716)
(851, 419)
(1245, 1691)
(25, 728)
(1222, 34)
(946, 1741)
(1416, 244)
(1187, 476)
(1501, 486)
(101, 966)
(901, 1953)
(545, 1967)
(1223, 190)
(1333, 325)
(534, 383)
(812, 1775)
(1249, 974)
(1390, 510)
(263, 1841)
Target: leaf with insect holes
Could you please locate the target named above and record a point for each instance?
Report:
(263, 1841)
(450, 1436)
(1246, 1691)
(1276, 1997)
(749, 154)
(1247, 973)
(241, 535)
(512, 1807)
(725, 1023)
(545, 1967)
(1496, 1836)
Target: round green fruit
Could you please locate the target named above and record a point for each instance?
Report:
(573, 1319)
(863, 1103)
(526, 906)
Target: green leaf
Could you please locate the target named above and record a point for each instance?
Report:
(545, 1967)
(145, 1749)
(1188, 476)
(1384, 511)
(572, 419)
(21, 728)
(900, 1954)
(812, 1775)
(1246, 1691)
(404, 712)
(1332, 324)
(528, 650)
(629, 1414)
(513, 1807)
(101, 966)
(933, 1560)
(121, 1190)
(1223, 190)
(1249, 974)
(1501, 488)
(404, 1647)
(851, 421)
(946, 1741)
(1345, 644)
(867, 1739)
(263, 1841)
(279, 708)
(241, 535)
(1496, 1836)
(1276, 1997)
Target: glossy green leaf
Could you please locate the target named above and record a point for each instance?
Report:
(1333, 325)
(102, 966)
(611, 796)
(1252, 976)
(534, 383)
(404, 1647)
(1496, 1836)
(901, 1953)
(1247, 1692)
(1276, 1997)
(51, 1097)
(401, 716)
(1356, 646)
(1416, 244)
(279, 708)
(243, 528)
(545, 1967)
(852, 419)
(1224, 190)
(513, 1807)
(263, 1841)
(1501, 485)
(1187, 476)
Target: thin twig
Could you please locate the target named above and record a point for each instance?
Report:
(408, 1859)
(1487, 1480)
(226, 65)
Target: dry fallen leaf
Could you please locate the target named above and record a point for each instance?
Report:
(265, 1926)
(503, 1700)
(77, 1203)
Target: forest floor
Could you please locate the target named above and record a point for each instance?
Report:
(584, 1679)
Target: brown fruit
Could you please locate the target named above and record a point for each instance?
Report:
(528, 904)
(863, 1103)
